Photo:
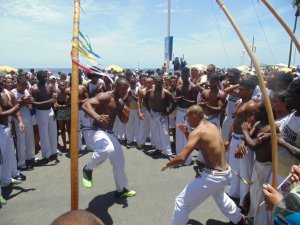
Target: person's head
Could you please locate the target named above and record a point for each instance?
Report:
(158, 81)
(63, 76)
(293, 95)
(214, 81)
(9, 83)
(42, 77)
(77, 217)
(173, 82)
(185, 74)
(260, 114)
(246, 87)
(94, 78)
(21, 84)
(270, 82)
(278, 101)
(148, 82)
(194, 72)
(62, 85)
(233, 75)
(132, 82)
(122, 86)
(194, 115)
(210, 69)
(2, 83)
(282, 80)
(52, 79)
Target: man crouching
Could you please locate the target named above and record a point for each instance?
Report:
(215, 175)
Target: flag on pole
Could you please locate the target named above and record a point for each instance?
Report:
(168, 48)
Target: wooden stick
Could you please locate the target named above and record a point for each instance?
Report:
(74, 109)
(281, 21)
(263, 90)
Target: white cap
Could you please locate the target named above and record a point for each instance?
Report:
(52, 77)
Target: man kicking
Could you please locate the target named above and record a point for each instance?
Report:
(104, 108)
(215, 175)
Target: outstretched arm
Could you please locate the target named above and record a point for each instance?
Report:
(191, 144)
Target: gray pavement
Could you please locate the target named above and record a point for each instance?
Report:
(46, 194)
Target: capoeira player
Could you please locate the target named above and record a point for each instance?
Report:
(212, 101)
(215, 175)
(143, 114)
(9, 173)
(43, 98)
(132, 127)
(160, 103)
(233, 76)
(25, 140)
(243, 166)
(186, 95)
(104, 108)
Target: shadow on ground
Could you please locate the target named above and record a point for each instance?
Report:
(6, 192)
(215, 222)
(100, 205)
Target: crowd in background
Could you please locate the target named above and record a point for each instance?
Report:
(40, 105)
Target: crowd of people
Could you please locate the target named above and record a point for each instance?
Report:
(218, 113)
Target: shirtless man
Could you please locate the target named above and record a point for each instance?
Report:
(262, 168)
(244, 112)
(143, 114)
(8, 170)
(215, 175)
(212, 100)
(42, 98)
(132, 127)
(186, 95)
(25, 140)
(160, 103)
(104, 108)
(172, 117)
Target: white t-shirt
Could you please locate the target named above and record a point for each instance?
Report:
(291, 129)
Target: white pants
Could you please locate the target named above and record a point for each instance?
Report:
(261, 174)
(215, 119)
(48, 131)
(172, 122)
(132, 126)
(144, 128)
(180, 137)
(199, 190)
(9, 166)
(84, 121)
(161, 137)
(25, 141)
(107, 147)
(242, 166)
(119, 128)
(227, 123)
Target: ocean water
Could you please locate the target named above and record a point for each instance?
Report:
(53, 70)
(69, 70)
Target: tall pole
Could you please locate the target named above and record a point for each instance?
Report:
(169, 31)
(294, 30)
(253, 48)
(263, 90)
(74, 109)
(281, 21)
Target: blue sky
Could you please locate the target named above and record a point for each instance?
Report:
(37, 33)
